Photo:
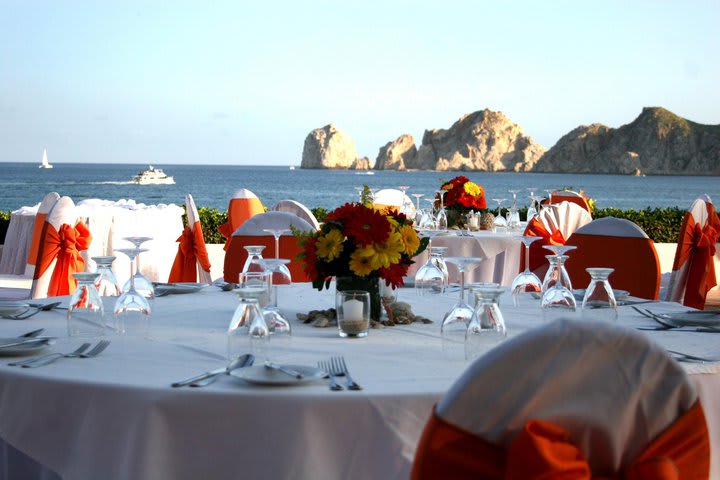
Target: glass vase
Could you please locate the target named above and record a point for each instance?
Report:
(368, 284)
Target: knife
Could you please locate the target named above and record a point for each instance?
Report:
(285, 370)
(238, 362)
(29, 341)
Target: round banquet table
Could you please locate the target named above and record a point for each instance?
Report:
(116, 416)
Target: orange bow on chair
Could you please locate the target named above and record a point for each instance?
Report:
(191, 251)
(65, 246)
(535, 228)
(543, 450)
(699, 250)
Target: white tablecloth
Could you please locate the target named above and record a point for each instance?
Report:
(116, 416)
(17, 241)
(500, 252)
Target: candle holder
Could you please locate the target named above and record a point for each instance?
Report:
(353, 313)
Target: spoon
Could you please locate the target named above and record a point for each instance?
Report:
(241, 361)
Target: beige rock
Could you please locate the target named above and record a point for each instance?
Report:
(361, 164)
(656, 142)
(328, 147)
(397, 154)
(483, 140)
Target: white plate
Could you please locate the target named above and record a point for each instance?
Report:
(27, 349)
(261, 375)
(12, 308)
(619, 294)
(694, 318)
(179, 287)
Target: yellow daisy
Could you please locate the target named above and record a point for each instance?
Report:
(361, 261)
(388, 252)
(329, 246)
(473, 189)
(410, 240)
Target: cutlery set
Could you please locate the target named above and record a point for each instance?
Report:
(665, 323)
(336, 367)
(211, 375)
(33, 309)
(80, 352)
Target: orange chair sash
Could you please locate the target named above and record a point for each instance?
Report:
(226, 231)
(535, 228)
(65, 246)
(191, 251)
(697, 248)
(544, 450)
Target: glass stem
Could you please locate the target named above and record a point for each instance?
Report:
(277, 246)
(527, 258)
(132, 274)
(462, 285)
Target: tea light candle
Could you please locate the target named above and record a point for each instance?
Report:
(473, 222)
(353, 310)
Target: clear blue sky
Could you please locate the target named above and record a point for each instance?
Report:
(245, 82)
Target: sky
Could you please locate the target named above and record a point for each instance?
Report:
(234, 82)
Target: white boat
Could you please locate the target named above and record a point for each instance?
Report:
(365, 172)
(153, 176)
(45, 163)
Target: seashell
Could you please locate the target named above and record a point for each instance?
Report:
(321, 321)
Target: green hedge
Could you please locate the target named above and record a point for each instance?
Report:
(661, 224)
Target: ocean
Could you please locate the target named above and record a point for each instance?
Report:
(212, 185)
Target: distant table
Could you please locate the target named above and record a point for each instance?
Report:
(500, 251)
(116, 416)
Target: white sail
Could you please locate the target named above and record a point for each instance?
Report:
(45, 163)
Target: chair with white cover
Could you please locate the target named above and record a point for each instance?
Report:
(47, 204)
(62, 242)
(253, 232)
(297, 208)
(191, 263)
(619, 244)
(569, 400)
(553, 225)
(571, 196)
(395, 199)
(243, 205)
(693, 273)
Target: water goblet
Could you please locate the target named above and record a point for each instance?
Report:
(106, 283)
(277, 322)
(499, 219)
(487, 326)
(277, 233)
(599, 300)
(132, 309)
(456, 320)
(429, 279)
(254, 261)
(258, 282)
(526, 281)
(557, 272)
(85, 309)
(248, 329)
(437, 257)
(142, 284)
(558, 302)
(441, 217)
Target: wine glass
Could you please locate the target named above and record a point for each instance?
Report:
(248, 329)
(85, 309)
(456, 320)
(106, 283)
(254, 261)
(277, 233)
(526, 281)
(499, 219)
(257, 282)
(437, 257)
(599, 300)
(487, 326)
(557, 272)
(417, 196)
(549, 192)
(441, 217)
(277, 322)
(532, 211)
(142, 284)
(132, 309)
(360, 192)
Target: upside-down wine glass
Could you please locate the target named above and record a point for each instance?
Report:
(549, 192)
(254, 261)
(277, 233)
(487, 326)
(277, 322)
(557, 272)
(417, 196)
(441, 217)
(132, 309)
(526, 282)
(532, 211)
(142, 284)
(457, 319)
(558, 301)
(437, 256)
(599, 301)
(499, 219)
(429, 277)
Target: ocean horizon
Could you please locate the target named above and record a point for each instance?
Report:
(24, 184)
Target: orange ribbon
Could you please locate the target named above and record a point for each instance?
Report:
(698, 249)
(65, 246)
(543, 450)
(191, 251)
(226, 231)
(535, 228)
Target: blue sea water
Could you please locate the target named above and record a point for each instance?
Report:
(212, 185)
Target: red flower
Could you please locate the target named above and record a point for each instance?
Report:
(367, 226)
(310, 263)
(342, 213)
(394, 274)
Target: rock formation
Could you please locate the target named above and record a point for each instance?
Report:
(656, 142)
(483, 140)
(328, 147)
(397, 154)
(361, 164)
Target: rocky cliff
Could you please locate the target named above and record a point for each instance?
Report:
(483, 140)
(395, 155)
(657, 142)
(328, 147)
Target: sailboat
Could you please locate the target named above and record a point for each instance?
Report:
(45, 163)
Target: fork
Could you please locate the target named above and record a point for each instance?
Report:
(340, 369)
(334, 385)
(44, 360)
(96, 350)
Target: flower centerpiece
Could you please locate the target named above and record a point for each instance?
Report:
(462, 196)
(359, 245)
